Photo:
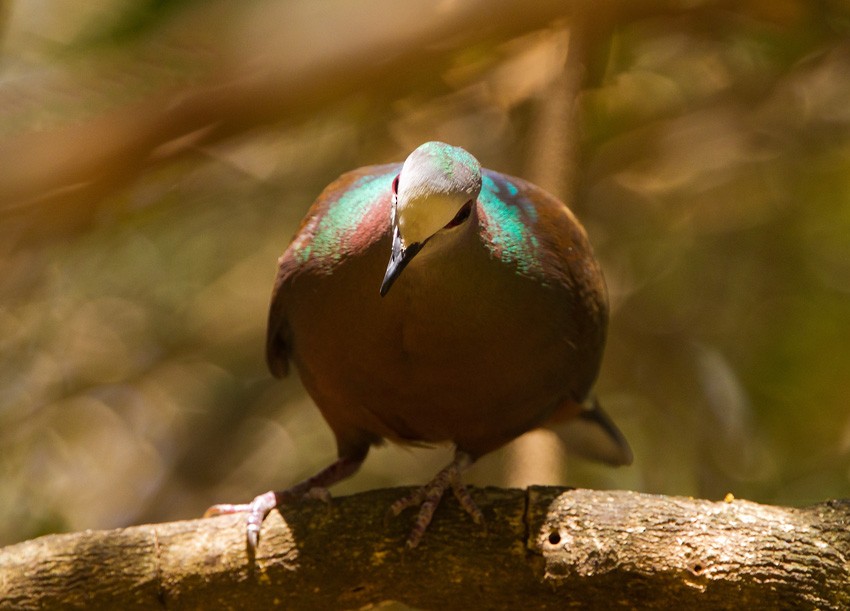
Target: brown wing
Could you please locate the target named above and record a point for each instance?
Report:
(278, 340)
(307, 252)
(535, 232)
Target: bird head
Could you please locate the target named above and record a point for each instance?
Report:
(434, 192)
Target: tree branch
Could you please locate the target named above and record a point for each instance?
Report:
(542, 548)
(284, 63)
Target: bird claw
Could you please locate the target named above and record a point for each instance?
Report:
(252, 539)
(257, 511)
(465, 499)
(223, 509)
(428, 498)
(314, 487)
(415, 498)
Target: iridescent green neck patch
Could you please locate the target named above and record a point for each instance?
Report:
(507, 224)
(334, 234)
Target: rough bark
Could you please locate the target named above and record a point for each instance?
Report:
(541, 548)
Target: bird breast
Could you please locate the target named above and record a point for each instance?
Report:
(463, 348)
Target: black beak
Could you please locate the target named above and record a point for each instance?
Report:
(399, 259)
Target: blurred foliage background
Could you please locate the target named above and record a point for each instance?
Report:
(155, 158)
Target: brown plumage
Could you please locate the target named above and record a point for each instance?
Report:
(490, 321)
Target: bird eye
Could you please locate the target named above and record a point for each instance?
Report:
(461, 215)
(395, 184)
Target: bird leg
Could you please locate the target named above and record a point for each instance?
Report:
(314, 487)
(429, 495)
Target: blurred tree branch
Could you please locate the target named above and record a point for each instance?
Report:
(542, 548)
(290, 60)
